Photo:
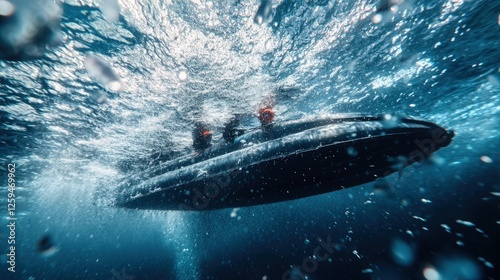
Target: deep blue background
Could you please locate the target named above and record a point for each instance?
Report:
(436, 60)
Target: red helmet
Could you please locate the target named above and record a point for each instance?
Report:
(205, 133)
(201, 137)
(266, 115)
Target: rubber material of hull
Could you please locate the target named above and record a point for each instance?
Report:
(285, 161)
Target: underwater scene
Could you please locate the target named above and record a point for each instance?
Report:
(260, 139)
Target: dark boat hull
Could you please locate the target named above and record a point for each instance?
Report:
(284, 162)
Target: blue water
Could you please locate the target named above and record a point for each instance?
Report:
(73, 137)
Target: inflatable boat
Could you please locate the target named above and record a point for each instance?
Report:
(285, 161)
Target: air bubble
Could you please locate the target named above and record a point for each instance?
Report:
(425, 201)
(352, 151)
(182, 75)
(264, 13)
(458, 267)
(102, 73)
(465, 223)
(419, 218)
(98, 97)
(377, 18)
(430, 273)
(6, 8)
(234, 213)
(391, 121)
(486, 159)
(402, 253)
(446, 227)
(115, 85)
(486, 263)
(356, 254)
(110, 9)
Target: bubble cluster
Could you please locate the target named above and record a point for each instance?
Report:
(101, 72)
(28, 28)
(264, 13)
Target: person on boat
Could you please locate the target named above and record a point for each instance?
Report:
(266, 116)
(202, 137)
(231, 131)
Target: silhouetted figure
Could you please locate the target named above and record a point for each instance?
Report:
(202, 137)
(231, 131)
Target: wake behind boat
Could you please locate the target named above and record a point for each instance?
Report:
(285, 161)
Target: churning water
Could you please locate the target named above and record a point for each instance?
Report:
(104, 89)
